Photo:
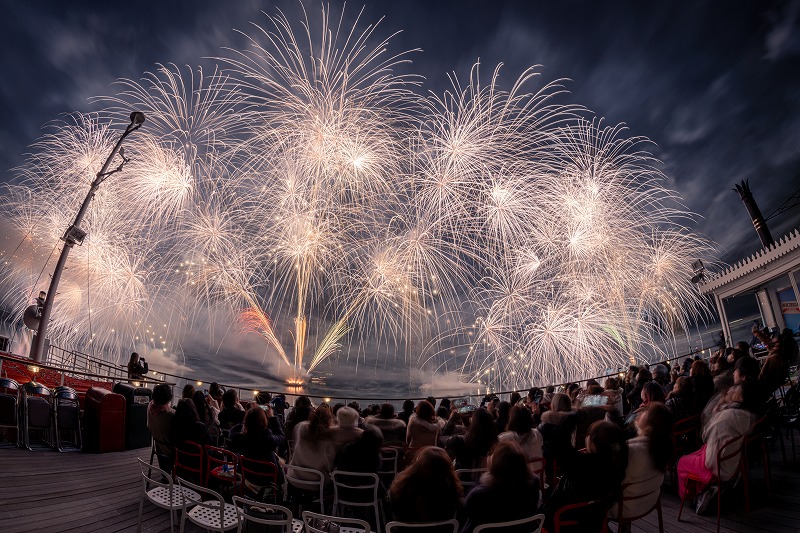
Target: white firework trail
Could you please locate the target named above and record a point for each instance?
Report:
(307, 192)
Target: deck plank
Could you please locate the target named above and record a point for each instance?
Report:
(77, 492)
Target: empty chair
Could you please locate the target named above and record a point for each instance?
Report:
(66, 417)
(162, 493)
(422, 527)
(252, 512)
(532, 524)
(211, 514)
(36, 412)
(313, 481)
(320, 523)
(9, 407)
(356, 489)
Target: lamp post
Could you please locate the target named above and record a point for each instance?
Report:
(74, 235)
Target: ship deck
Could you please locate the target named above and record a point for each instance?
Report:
(78, 492)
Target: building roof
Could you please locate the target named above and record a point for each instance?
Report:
(761, 267)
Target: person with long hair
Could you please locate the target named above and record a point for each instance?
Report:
(137, 367)
(471, 450)
(649, 454)
(702, 383)
(159, 421)
(232, 413)
(520, 430)
(427, 491)
(301, 412)
(557, 429)
(730, 419)
(186, 424)
(591, 476)
(260, 437)
(207, 413)
(505, 492)
(313, 447)
(423, 429)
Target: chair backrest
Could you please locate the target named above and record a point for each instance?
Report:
(188, 460)
(631, 494)
(600, 507)
(422, 527)
(470, 477)
(32, 388)
(729, 450)
(215, 505)
(355, 488)
(9, 385)
(537, 466)
(318, 523)
(262, 513)
(65, 393)
(536, 522)
(217, 457)
(259, 473)
(148, 479)
(291, 470)
(390, 457)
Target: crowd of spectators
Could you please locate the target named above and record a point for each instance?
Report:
(583, 443)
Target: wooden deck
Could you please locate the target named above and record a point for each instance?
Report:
(76, 492)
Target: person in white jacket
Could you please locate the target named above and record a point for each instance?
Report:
(731, 419)
(649, 453)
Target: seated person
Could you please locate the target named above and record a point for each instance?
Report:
(159, 421)
(232, 413)
(423, 428)
(730, 418)
(392, 428)
(506, 492)
(186, 424)
(259, 437)
(591, 476)
(313, 446)
(521, 431)
(428, 490)
(649, 453)
(346, 429)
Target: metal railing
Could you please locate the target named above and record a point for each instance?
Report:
(69, 361)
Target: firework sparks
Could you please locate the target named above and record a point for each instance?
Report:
(309, 194)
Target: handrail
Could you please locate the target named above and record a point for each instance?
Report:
(122, 374)
(88, 375)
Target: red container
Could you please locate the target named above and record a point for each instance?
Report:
(103, 421)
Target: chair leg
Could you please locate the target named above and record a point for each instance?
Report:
(685, 492)
(746, 482)
(183, 517)
(719, 504)
(141, 508)
(660, 516)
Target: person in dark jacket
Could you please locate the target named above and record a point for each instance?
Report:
(592, 476)
(137, 367)
(506, 492)
(260, 436)
(186, 424)
(232, 413)
(557, 428)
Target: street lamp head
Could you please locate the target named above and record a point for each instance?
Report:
(137, 118)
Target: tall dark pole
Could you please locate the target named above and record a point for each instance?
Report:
(755, 213)
(74, 235)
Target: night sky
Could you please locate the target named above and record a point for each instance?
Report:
(715, 85)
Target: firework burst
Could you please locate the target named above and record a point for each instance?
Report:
(306, 192)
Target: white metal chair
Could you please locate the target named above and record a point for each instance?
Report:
(421, 527)
(536, 522)
(317, 523)
(390, 458)
(250, 511)
(356, 489)
(317, 484)
(212, 514)
(469, 477)
(164, 494)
